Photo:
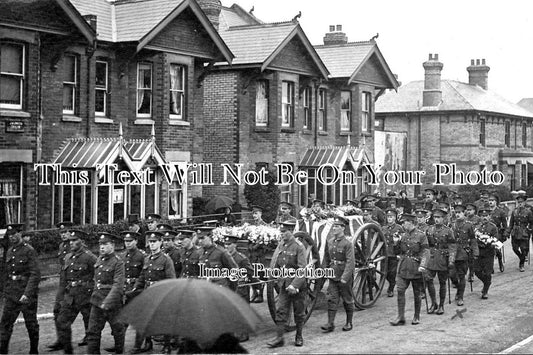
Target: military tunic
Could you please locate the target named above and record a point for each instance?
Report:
(174, 254)
(290, 255)
(189, 262)
(156, 267)
(133, 265)
(64, 249)
(76, 286)
(391, 231)
(106, 302)
(340, 257)
(243, 262)
(499, 217)
(521, 222)
(467, 249)
(216, 257)
(442, 248)
(23, 276)
(484, 265)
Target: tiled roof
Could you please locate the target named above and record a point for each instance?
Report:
(343, 59)
(102, 10)
(456, 96)
(254, 44)
(235, 16)
(526, 103)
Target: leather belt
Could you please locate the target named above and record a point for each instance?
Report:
(77, 283)
(338, 262)
(103, 286)
(130, 280)
(18, 278)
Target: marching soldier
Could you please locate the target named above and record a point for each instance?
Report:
(284, 213)
(420, 223)
(441, 257)
(64, 249)
(214, 256)
(308, 242)
(190, 255)
(133, 265)
(471, 217)
(483, 199)
(76, 285)
(466, 248)
(520, 224)
(499, 217)
(157, 266)
(367, 216)
(376, 212)
(106, 299)
(21, 289)
(485, 263)
(171, 250)
(413, 245)
(430, 203)
(257, 254)
(289, 254)
(390, 231)
(340, 257)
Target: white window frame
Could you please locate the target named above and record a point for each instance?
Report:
(182, 201)
(17, 198)
(365, 111)
(73, 86)
(144, 65)
(21, 77)
(287, 102)
(322, 110)
(261, 101)
(307, 101)
(285, 189)
(346, 112)
(104, 89)
(181, 91)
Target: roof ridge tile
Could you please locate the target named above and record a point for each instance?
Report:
(262, 25)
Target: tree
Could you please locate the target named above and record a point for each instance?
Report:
(267, 196)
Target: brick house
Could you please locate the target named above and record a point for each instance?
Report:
(280, 102)
(27, 29)
(132, 97)
(448, 121)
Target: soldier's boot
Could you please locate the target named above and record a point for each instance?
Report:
(433, 296)
(137, 344)
(278, 340)
(34, 342)
(329, 326)
(349, 317)
(418, 305)
(500, 260)
(485, 290)
(460, 292)
(67, 348)
(259, 298)
(148, 345)
(400, 320)
(119, 343)
(298, 339)
(442, 299)
(83, 342)
(4, 344)
(390, 290)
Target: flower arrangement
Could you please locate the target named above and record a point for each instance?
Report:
(330, 211)
(265, 235)
(488, 240)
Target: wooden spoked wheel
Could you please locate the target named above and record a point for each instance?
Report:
(370, 273)
(311, 294)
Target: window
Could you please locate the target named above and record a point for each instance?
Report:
(284, 187)
(322, 113)
(366, 118)
(11, 75)
(524, 134)
(177, 91)
(308, 108)
(10, 193)
(144, 90)
(101, 89)
(346, 107)
(507, 134)
(70, 74)
(287, 100)
(261, 103)
(482, 132)
(175, 201)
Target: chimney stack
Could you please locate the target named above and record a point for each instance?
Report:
(335, 36)
(432, 95)
(478, 73)
(212, 10)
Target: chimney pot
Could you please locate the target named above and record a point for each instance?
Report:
(478, 73)
(483, 61)
(472, 62)
(436, 56)
(339, 28)
(432, 94)
(477, 62)
(335, 37)
(212, 9)
(332, 28)
(430, 56)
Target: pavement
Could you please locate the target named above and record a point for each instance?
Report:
(503, 323)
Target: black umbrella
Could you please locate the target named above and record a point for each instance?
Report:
(218, 202)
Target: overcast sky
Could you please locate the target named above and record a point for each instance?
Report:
(501, 32)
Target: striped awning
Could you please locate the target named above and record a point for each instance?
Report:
(87, 153)
(337, 156)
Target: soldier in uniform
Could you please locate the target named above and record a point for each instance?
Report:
(106, 299)
(190, 255)
(257, 215)
(289, 254)
(471, 217)
(420, 223)
(257, 254)
(340, 257)
(64, 249)
(76, 285)
(499, 217)
(466, 248)
(520, 224)
(390, 231)
(367, 216)
(215, 257)
(413, 245)
(157, 266)
(483, 198)
(21, 289)
(485, 263)
(284, 214)
(308, 242)
(376, 212)
(133, 265)
(171, 250)
(441, 257)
